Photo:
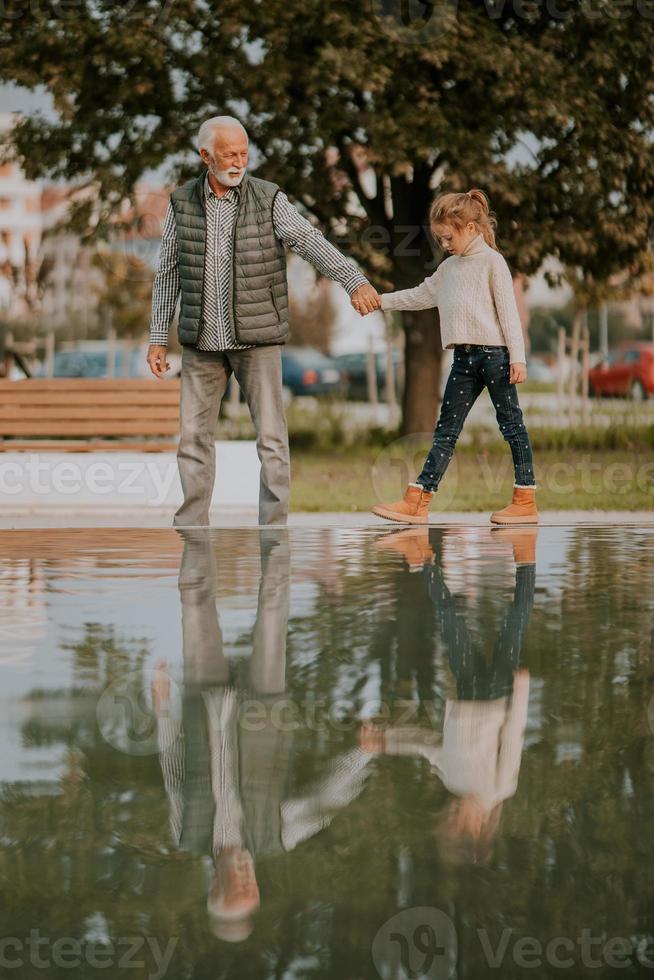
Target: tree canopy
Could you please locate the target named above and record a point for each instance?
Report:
(362, 111)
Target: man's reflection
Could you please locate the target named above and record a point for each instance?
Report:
(225, 781)
(478, 757)
(226, 769)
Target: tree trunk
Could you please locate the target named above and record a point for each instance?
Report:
(422, 354)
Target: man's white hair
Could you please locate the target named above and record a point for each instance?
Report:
(208, 129)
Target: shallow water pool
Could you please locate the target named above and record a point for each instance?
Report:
(325, 753)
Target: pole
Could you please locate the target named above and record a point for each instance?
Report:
(604, 329)
(560, 370)
(585, 367)
(111, 349)
(49, 354)
(371, 374)
(574, 357)
(390, 367)
(9, 353)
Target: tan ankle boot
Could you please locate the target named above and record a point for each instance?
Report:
(523, 540)
(412, 544)
(521, 510)
(412, 509)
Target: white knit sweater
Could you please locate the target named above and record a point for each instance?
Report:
(475, 299)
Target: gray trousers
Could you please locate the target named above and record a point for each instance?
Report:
(205, 374)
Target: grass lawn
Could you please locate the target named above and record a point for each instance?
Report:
(568, 479)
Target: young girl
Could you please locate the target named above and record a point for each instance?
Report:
(479, 319)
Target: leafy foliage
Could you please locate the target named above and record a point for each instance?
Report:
(361, 117)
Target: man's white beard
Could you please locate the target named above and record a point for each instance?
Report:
(227, 179)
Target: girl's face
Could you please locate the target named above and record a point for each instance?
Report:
(455, 240)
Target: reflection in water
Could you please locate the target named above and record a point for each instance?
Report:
(226, 781)
(478, 758)
(226, 771)
(343, 727)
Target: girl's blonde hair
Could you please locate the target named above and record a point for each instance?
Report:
(459, 208)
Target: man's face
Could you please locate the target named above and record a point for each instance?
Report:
(229, 157)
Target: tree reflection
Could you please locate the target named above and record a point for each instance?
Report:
(436, 633)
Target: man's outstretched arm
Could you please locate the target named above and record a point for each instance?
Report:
(300, 235)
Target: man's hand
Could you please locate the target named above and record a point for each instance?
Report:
(366, 299)
(157, 360)
(161, 689)
(518, 373)
(371, 737)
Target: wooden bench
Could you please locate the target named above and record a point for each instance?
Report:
(73, 414)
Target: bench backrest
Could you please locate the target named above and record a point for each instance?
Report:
(89, 407)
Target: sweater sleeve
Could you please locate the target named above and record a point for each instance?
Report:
(507, 309)
(421, 297)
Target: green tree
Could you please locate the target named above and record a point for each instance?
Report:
(124, 292)
(361, 116)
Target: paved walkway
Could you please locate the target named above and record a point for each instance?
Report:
(247, 518)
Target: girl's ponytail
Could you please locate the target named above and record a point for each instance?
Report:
(459, 209)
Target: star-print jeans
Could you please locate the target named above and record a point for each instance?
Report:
(475, 367)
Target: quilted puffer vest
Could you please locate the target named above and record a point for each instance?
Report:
(258, 288)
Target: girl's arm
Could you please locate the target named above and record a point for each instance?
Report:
(421, 297)
(507, 309)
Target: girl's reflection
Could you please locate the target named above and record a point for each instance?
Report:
(478, 757)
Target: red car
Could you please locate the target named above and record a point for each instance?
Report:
(628, 371)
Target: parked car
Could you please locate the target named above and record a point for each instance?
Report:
(80, 364)
(305, 371)
(538, 370)
(355, 369)
(90, 359)
(627, 371)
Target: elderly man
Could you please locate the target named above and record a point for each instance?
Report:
(223, 250)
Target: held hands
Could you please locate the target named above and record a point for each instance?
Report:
(518, 373)
(157, 361)
(366, 299)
